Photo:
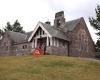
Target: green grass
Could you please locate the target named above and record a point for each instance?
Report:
(48, 68)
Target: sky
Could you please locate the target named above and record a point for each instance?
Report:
(30, 12)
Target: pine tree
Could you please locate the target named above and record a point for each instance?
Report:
(16, 27)
(1, 32)
(8, 27)
(95, 23)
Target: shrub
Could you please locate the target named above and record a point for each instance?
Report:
(46, 53)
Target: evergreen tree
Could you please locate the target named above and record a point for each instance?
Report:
(8, 27)
(95, 23)
(1, 32)
(98, 43)
(16, 27)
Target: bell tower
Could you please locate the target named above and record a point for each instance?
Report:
(59, 20)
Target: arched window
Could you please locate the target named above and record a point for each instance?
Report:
(83, 41)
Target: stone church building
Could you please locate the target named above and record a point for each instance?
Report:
(71, 38)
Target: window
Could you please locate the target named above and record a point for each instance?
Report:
(58, 22)
(43, 32)
(24, 46)
(83, 39)
(49, 41)
(40, 31)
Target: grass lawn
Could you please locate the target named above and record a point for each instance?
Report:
(48, 68)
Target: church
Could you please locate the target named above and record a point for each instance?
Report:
(66, 38)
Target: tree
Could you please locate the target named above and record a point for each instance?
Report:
(8, 27)
(98, 43)
(95, 23)
(1, 32)
(16, 27)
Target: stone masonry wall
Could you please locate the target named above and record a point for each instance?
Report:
(57, 50)
(21, 49)
(8, 48)
(81, 44)
(5, 45)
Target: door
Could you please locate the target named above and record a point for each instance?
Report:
(41, 43)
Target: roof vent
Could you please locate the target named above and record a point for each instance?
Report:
(48, 22)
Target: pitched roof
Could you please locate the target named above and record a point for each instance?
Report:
(29, 34)
(54, 32)
(60, 33)
(70, 25)
(17, 37)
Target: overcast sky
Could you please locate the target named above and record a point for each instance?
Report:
(29, 12)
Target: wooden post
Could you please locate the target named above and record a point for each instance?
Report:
(35, 42)
(51, 41)
(47, 41)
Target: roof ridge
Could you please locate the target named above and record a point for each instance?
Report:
(76, 19)
(70, 25)
(16, 32)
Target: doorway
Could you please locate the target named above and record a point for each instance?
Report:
(41, 43)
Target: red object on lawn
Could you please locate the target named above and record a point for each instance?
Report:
(37, 52)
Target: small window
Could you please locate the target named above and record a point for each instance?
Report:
(24, 46)
(49, 41)
(40, 31)
(58, 22)
(43, 32)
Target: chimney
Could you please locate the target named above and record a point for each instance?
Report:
(48, 22)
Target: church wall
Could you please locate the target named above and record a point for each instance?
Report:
(52, 50)
(5, 45)
(58, 47)
(8, 48)
(21, 49)
(81, 44)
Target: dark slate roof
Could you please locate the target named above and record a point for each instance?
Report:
(54, 32)
(17, 37)
(60, 33)
(70, 25)
(29, 34)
